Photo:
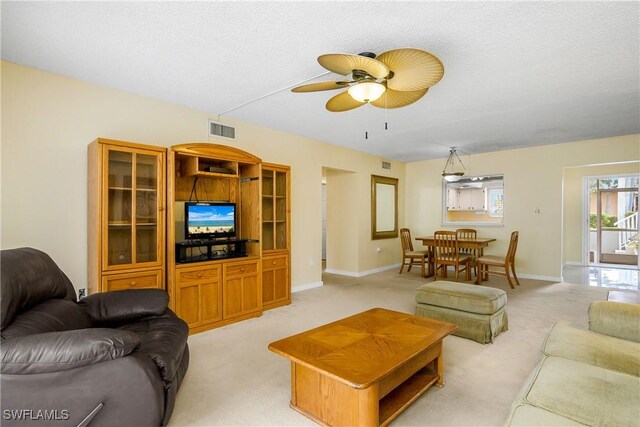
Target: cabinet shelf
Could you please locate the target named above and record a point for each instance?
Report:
(208, 167)
(214, 174)
(121, 188)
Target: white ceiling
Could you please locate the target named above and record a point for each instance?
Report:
(516, 73)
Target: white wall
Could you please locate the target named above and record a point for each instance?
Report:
(48, 120)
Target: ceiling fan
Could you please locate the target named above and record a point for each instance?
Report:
(393, 79)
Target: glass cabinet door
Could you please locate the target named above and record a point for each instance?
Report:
(275, 215)
(132, 208)
(146, 208)
(281, 210)
(267, 210)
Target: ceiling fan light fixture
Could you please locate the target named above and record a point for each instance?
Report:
(454, 168)
(366, 91)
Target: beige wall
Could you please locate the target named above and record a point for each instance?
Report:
(532, 180)
(572, 203)
(48, 120)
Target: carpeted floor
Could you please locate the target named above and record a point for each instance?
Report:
(233, 380)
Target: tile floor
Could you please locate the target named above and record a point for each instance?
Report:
(608, 277)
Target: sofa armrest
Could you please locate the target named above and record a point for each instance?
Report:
(615, 319)
(125, 305)
(60, 351)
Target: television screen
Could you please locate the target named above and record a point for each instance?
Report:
(209, 220)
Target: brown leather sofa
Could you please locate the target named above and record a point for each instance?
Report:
(115, 358)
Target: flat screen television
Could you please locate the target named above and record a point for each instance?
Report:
(209, 220)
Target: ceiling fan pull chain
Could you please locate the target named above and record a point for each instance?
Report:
(366, 121)
(386, 111)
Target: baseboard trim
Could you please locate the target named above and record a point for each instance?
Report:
(362, 273)
(537, 277)
(576, 263)
(306, 287)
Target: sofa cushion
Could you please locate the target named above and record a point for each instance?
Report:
(50, 316)
(461, 296)
(29, 277)
(163, 339)
(566, 340)
(584, 393)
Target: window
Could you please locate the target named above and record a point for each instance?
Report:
(473, 200)
(495, 201)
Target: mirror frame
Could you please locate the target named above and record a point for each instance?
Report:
(387, 234)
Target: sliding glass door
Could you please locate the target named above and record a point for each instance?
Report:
(613, 220)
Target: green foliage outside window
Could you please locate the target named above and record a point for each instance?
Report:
(607, 221)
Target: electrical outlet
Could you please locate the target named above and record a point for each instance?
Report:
(312, 261)
(82, 293)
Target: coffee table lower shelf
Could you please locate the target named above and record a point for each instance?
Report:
(330, 402)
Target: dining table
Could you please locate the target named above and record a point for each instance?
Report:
(478, 244)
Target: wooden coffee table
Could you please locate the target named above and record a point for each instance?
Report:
(364, 370)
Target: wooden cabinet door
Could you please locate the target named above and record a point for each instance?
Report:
(199, 295)
(241, 291)
(275, 280)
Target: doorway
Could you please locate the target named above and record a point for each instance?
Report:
(613, 220)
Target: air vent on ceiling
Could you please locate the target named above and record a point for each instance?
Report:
(221, 131)
(386, 165)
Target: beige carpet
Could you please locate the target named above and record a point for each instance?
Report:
(233, 380)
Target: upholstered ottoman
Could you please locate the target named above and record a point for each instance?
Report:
(479, 311)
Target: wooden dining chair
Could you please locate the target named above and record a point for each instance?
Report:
(507, 263)
(447, 253)
(469, 233)
(409, 256)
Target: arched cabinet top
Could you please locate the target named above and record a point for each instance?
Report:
(216, 151)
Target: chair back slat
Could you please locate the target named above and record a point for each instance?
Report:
(446, 244)
(513, 245)
(405, 240)
(467, 233)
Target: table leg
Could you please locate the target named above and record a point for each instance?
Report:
(440, 368)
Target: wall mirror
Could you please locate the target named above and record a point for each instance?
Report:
(384, 207)
(474, 200)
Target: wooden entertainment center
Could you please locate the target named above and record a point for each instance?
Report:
(130, 250)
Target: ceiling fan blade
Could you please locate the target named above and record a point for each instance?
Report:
(316, 87)
(396, 98)
(343, 102)
(413, 69)
(345, 63)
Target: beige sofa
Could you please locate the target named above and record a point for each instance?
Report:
(586, 377)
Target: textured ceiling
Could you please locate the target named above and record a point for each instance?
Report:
(516, 73)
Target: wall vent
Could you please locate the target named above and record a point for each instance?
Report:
(221, 131)
(386, 165)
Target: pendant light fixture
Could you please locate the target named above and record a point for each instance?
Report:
(453, 169)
